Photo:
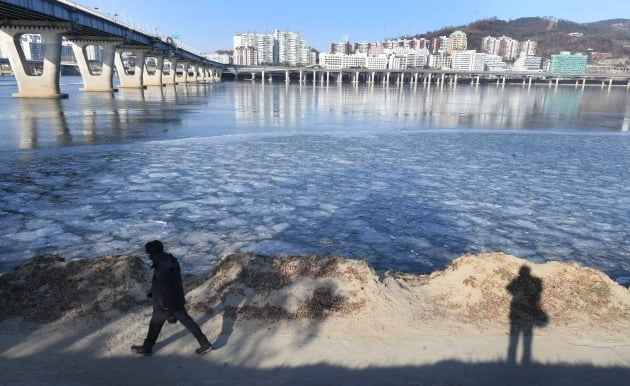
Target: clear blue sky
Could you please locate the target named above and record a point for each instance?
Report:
(209, 25)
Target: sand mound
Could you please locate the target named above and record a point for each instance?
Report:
(485, 290)
(49, 288)
(474, 288)
(249, 286)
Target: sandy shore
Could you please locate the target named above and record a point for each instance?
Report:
(314, 321)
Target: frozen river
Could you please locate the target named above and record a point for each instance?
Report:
(405, 178)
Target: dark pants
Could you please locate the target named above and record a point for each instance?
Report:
(159, 317)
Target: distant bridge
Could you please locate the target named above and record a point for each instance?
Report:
(422, 75)
(85, 27)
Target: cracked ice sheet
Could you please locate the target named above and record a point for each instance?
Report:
(406, 201)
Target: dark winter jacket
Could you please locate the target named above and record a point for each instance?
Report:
(167, 290)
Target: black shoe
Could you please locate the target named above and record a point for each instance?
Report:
(141, 350)
(206, 347)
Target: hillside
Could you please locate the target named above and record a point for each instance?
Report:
(607, 41)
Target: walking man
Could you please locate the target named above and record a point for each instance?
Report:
(167, 293)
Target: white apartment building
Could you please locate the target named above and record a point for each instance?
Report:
(289, 48)
(339, 61)
(468, 60)
(376, 62)
(246, 56)
(263, 43)
(414, 58)
(280, 48)
(331, 61)
(354, 61)
(397, 62)
(528, 48)
(439, 60)
(493, 63)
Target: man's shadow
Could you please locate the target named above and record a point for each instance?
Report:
(525, 313)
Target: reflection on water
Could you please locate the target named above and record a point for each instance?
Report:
(36, 113)
(404, 107)
(192, 110)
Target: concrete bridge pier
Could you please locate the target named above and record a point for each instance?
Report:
(31, 85)
(199, 76)
(327, 77)
(153, 77)
(131, 78)
(181, 77)
(102, 81)
(610, 82)
(442, 80)
(583, 82)
(190, 73)
(286, 77)
(169, 72)
(207, 74)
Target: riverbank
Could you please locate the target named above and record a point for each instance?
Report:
(317, 320)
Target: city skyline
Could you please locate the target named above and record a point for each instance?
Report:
(210, 26)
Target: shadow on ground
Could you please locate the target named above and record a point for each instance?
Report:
(79, 369)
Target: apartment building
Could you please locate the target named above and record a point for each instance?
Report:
(467, 60)
(278, 48)
(508, 48)
(439, 44)
(457, 41)
(246, 56)
(528, 63)
(263, 43)
(344, 48)
(568, 63)
(439, 60)
(376, 62)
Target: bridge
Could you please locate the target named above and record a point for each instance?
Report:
(121, 48)
(424, 76)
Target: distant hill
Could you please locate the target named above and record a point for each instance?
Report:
(606, 41)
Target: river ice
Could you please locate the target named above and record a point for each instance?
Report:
(409, 201)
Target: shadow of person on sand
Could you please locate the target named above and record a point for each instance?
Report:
(525, 313)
